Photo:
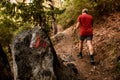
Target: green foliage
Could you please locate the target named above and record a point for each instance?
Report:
(17, 17)
(104, 7)
(24, 26)
(7, 27)
(97, 8)
(34, 12)
(73, 10)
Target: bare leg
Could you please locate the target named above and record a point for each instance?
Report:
(80, 45)
(91, 50)
(90, 47)
(80, 49)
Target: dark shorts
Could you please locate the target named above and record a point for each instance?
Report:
(89, 37)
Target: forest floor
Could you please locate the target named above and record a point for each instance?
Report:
(106, 43)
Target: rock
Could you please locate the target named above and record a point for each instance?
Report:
(37, 60)
(57, 38)
(68, 72)
(32, 63)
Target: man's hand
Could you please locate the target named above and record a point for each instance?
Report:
(74, 30)
(77, 25)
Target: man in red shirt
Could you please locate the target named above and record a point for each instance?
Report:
(85, 23)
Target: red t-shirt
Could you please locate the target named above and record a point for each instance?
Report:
(86, 22)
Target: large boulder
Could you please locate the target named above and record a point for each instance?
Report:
(34, 58)
(32, 62)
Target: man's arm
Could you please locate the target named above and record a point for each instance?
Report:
(77, 25)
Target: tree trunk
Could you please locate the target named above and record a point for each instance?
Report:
(54, 20)
(54, 26)
(5, 70)
(60, 3)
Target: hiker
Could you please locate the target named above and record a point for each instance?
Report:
(85, 24)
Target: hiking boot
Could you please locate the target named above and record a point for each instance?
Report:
(80, 55)
(92, 60)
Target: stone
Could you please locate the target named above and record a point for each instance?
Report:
(34, 58)
(32, 63)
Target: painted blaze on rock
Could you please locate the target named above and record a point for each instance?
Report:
(38, 41)
(33, 56)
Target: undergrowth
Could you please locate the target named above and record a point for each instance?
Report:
(69, 17)
(97, 8)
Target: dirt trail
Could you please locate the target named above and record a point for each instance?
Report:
(66, 48)
(105, 33)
